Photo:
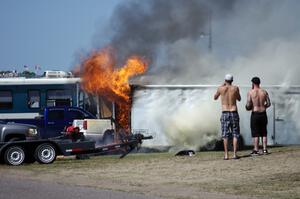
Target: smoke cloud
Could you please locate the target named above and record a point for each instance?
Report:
(248, 38)
(150, 28)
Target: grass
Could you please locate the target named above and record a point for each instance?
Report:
(162, 174)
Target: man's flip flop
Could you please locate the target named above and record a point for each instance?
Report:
(235, 157)
(225, 158)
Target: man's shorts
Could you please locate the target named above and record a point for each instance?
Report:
(230, 124)
(259, 121)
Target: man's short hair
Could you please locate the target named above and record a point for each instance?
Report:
(255, 80)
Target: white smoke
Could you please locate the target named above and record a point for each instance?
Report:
(182, 118)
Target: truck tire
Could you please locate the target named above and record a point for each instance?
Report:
(14, 155)
(108, 137)
(45, 153)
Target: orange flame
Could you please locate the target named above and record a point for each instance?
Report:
(101, 76)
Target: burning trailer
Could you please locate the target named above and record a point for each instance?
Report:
(186, 116)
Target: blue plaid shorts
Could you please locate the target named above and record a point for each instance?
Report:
(230, 124)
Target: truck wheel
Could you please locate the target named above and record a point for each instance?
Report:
(45, 153)
(108, 137)
(14, 155)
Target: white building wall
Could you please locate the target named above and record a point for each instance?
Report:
(188, 115)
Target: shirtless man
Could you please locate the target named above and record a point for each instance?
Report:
(258, 101)
(230, 117)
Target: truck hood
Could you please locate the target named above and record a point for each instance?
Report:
(20, 124)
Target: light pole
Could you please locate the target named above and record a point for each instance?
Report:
(209, 34)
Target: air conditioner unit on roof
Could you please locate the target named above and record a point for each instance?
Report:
(56, 74)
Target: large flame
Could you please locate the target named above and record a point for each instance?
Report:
(101, 76)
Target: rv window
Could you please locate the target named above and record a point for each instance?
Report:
(59, 98)
(56, 115)
(33, 99)
(6, 101)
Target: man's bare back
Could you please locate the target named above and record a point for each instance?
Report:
(258, 99)
(229, 95)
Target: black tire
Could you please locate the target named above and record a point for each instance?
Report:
(108, 137)
(14, 155)
(45, 153)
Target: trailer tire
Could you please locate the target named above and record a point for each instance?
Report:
(14, 155)
(45, 153)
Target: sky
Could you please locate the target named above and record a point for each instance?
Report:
(50, 33)
(249, 38)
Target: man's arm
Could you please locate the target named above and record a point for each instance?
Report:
(249, 104)
(217, 95)
(238, 97)
(268, 102)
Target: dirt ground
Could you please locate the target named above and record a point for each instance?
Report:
(205, 175)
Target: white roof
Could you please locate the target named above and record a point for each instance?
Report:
(37, 81)
(207, 86)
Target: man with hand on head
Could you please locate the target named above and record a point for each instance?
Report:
(230, 117)
(258, 101)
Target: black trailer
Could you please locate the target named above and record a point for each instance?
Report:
(45, 151)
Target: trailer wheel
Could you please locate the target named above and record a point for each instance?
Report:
(45, 153)
(14, 155)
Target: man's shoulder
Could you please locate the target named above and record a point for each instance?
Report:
(221, 87)
(252, 92)
(263, 91)
(235, 87)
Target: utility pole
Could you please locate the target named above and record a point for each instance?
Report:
(210, 31)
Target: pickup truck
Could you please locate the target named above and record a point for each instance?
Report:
(99, 130)
(52, 120)
(14, 132)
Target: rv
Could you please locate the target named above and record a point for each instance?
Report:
(24, 98)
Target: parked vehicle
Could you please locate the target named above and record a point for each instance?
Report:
(52, 120)
(23, 98)
(14, 132)
(100, 130)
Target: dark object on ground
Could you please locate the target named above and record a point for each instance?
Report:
(185, 152)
